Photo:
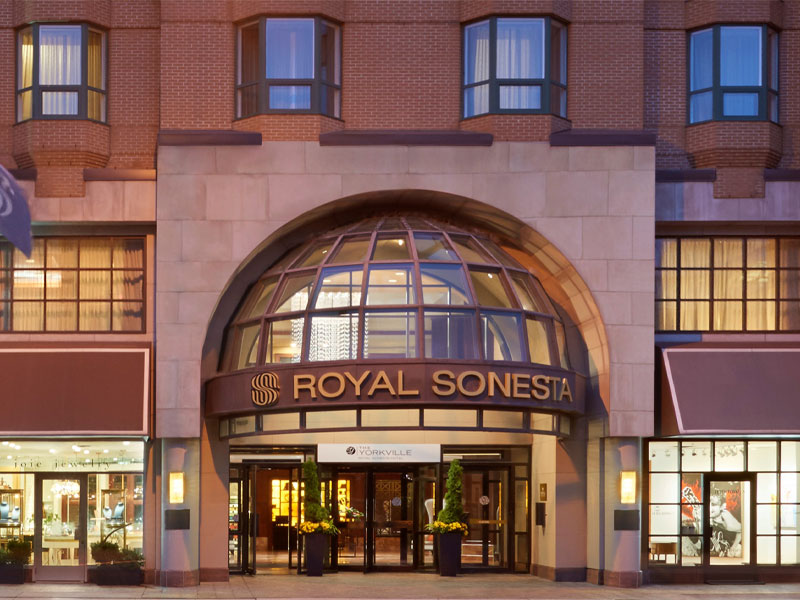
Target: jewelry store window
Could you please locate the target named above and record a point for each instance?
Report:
(723, 502)
(104, 476)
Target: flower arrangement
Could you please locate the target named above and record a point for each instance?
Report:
(351, 512)
(442, 527)
(316, 517)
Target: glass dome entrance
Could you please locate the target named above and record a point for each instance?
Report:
(396, 288)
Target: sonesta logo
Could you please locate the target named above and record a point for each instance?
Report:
(265, 389)
(471, 384)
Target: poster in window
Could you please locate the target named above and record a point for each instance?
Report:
(691, 514)
(725, 518)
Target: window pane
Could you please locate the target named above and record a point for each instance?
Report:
(520, 97)
(740, 55)
(290, 97)
(94, 316)
(95, 285)
(285, 341)
(762, 456)
(476, 52)
(558, 101)
(259, 298)
(28, 316)
(59, 103)
(95, 254)
(127, 285)
(489, 289)
(695, 253)
(760, 253)
(664, 519)
(390, 335)
(248, 346)
(339, 287)
(97, 72)
(694, 316)
(665, 487)
(666, 316)
(450, 334)
(444, 284)
(667, 284)
(790, 549)
(315, 255)
(558, 52)
(760, 284)
(247, 101)
(666, 252)
(330, 101)
(695, 284)
(476, 100)
(728, 316)
(538, 343)
(25, 56)
(761, 316)
(790, 316)
(740, 104)
(96, 106)
(728, 284)
(24, 105)
(561, 342)
(333, 337)
(766, 487)
(772, 44)
(330, 57)
(62, 285)
(290, 49)
(502, 338)
(127, 254)
(59, 55)
(790, 456)
(391, 285)
(391, 247)
(295, 292)
(248, 57)
(765, 550)
(350, 251)
(772, 107)
(433, 246)
(28, 284)
(126, 316)
(520, 48)
(526, 294)
(728, 253)
(62, 316)
(700, 59)
(469, 250)
(700, 107)
(729, 456)
(790, 252)
(696, 456)
(789, 487)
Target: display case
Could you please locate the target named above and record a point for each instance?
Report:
(12, 509)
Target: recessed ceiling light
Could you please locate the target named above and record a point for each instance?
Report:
(5, 443)
(52, 450)
(86, 452)
(87, 460)
(105, 451)
(126, 443)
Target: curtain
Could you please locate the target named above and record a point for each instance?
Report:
(728, 284)
(476, 68)
(59, 64)
(520, 51)
(740, 55)
(290, 49)
(25, 74)
(695, 284)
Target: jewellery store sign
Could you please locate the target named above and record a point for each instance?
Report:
(378, 453)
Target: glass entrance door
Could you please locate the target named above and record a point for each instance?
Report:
(392, 520)
(485, 492)
(60, 528)
(728, 531)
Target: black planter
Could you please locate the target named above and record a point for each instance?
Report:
(118, 575)
(315, 544)
(450, 553)
(12, 574)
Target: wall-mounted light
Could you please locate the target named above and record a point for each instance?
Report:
(627, 487)
(176, 487)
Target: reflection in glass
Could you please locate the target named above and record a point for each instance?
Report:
(350, 251)
(469, 250)
(248, 346)
(61, 520)
(259, 298)
(450, 334)
(295, 292)
(390, 335)
(433, 246)
(290, 49)
(391, 247)
(444, 284)
(489, 289)
(501, 336)
(728, 514)
(339, 287)
(538, 343)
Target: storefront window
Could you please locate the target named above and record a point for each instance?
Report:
(711, 483)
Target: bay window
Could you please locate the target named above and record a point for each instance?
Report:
(289, 65)
(61, 72)
(733, 73)
(515, 65)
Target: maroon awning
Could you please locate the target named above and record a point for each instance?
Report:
(732, 390)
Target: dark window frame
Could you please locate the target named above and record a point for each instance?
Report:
(777, 299)
(82, 89)
(545, 83)
(9, 302)
(764, 91)
(316, 84)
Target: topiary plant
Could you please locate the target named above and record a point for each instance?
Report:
(314, 511)
(453, 511)
(19, 552)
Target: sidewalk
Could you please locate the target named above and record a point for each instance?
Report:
(404, 586)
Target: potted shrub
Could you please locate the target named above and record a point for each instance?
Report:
(317, 524)
(449, 525)
(116, 566)
(13, 559)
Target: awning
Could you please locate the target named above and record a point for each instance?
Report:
(712, 390)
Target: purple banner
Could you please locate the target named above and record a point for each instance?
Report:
(15, 218)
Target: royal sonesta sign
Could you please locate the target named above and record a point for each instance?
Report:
(287, 387)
